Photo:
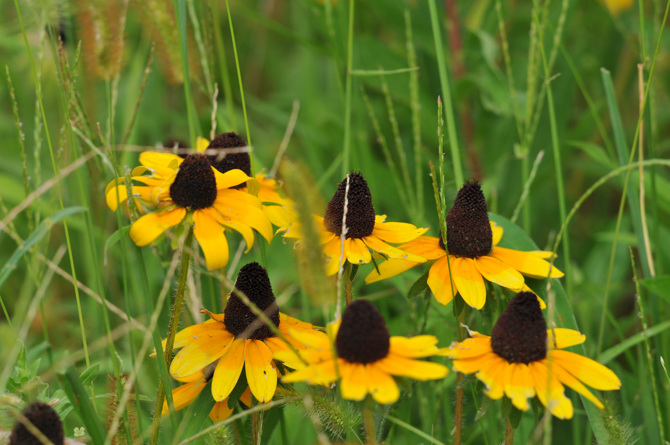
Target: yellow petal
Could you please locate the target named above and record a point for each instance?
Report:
(379, 246)
(397, 233)
(152, 225)
(553, 395)
(492, 374)
(236, 206)
(567, 379)
(519, 385)
(414, 369)
(116, 195)
(334, 258)
(440, 282)
(211, 239)
(200, 353)
(313, 339)
(427, 247)
(230, 178)
(201, 144)
(497, 232)
(470, 348)
(381, 385)
(500, 273)
(228, 370)
(261, 374)
(469, 281)
(414, 347)
(354, 381)
(565, 337)
(162, 163)
(475, 364)
(220, 411)
(185, 394)
(323, 373)
(356, 251)
(187, 335)
(589, 371)
(388, 269)
(526, 262)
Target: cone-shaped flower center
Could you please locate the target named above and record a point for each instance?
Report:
(360, 212)
(225, 161)
(253, 282)
(520, 334)
(468, 230)
(45, 419)
(363, 336)
(195, 185)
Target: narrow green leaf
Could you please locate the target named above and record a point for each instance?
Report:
(89, 374)
(82, 405)
(113, 239)
(419, 286)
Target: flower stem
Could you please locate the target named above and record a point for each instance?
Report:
(369, 421)
(174, 323)
(509, 433)
(256, 427)
(458, 411)
(348, 291)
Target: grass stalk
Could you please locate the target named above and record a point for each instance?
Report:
(348, 92)
(193, 127)
(369, 421)
(239, 79)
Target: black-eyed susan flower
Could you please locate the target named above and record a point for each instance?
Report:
(223, 157)
(474, 255)
(363, 356)
(238, 340)
(189, 190)
(516, 361)
(366, 232)
(45, 419)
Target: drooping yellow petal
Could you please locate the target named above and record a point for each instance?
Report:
(589, 371)
(220, 411)
(567, 379)
(470, 348)
(381, 386)
(565, 337)
(427, 247)
(234, 205)
(185, 394)
(519, 385)
(261, 374)
(440, 282)
(474, 364)
(388, 269)
(553, 395)
(334, 258)
(211, 238)
(152, 225)
(246, 231)
(469, 281)
(356, 251)
(415, 369)
(396, 233)
(201, 352)
(354, 381)
(228, 370)
(500, 273)
(116, 195)
(414, 347)
(323, 373)
(187, 335)
(526, 262)
(230, 178)
(379, 246)
(313, 339)
(492, 374)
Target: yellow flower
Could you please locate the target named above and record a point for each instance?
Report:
(222, 153)
(366, 232)
(189, 189)
(515, 360)
(616, 7)
(238, 340)
(474, 255)
(360, 353)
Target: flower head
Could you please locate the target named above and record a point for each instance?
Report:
(223, 346)
(189, 189)
(366, 233)
(363, 356)
(474, 255)
(522, 359)
(45, 419)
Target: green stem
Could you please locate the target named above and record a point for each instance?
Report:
(369, 421)
(509, 433)
(348, 92)
(172, 331)
(348, 291)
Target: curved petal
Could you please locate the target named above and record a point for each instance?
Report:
(220, 411)
(191, 333)
(427, 247)
(388, 251)
(414, 369)
(414, 347)
(246, 231)
(116, 195)
(334, 257)
(152, 225)
(381, 385)
(526, 262)
(565, 337)
(201, 144)
(493, 375)
(519, 385)
(499, 273)
(397, 233)
(163, 163)
(228, 370)
(589, 371)
(388, 269)
(236, 206)
(469, 281)
(354, 380)
(323, 373)
(551, 393)
(230, 178)
(474, 364)
(261, 374)
(184, 395)
(440, 282)
(356, 251)
(312, 338)
(497, 232)
(470, 348)
(201, 352)
(567, 379)
(211, 239)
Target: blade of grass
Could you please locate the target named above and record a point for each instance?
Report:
(348, 91)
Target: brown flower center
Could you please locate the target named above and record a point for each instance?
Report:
(363, 336)
(253, 282)
(468, 230)
(520, 334)
(195, 185)
(45, 419)
(226, 159)
(360, 212)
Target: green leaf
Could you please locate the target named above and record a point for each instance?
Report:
(595, 152)
(89, 374)
(271, 419)
(658, 285)
(239, 389)
(113, 239)
(198, 412)
(82, 405)
(419, 286)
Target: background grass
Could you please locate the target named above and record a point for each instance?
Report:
(541, 100)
